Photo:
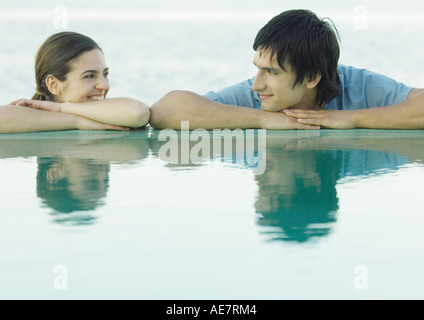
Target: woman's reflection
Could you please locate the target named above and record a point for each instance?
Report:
(73, 172)
(70, 184)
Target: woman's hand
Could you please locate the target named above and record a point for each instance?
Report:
(88, 124)
(82, 122)
(39, 104)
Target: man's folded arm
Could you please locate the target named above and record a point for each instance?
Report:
(407, 114)
(201, 112)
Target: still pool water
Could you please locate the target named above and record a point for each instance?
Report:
(173, 215)
(244, 214)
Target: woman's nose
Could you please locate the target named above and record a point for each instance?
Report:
(103, 84)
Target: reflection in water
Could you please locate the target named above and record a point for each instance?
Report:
(296, 172)
(296, 187)
(187, 149)
(73, 167)
(297, 192)
(68, 185)
(297, 196)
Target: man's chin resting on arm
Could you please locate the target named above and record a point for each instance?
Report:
(201, 112)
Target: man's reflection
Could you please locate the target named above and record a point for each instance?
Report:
(297, 192)
(297, 196)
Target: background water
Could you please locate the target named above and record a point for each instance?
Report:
(332, 215)
(153, 47)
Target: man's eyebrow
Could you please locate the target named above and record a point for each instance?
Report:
(271, 69)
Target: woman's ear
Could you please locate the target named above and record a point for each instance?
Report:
(312, 83)
(53, 85)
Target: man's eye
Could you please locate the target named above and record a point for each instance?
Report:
(106, 74)
(89, 76)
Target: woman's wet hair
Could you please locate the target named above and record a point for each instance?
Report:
(55, 56)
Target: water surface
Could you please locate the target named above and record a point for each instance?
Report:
(323, 212)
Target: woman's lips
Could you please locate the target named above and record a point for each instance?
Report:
(96, 97)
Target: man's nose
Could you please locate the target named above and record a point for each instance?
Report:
(258, 83)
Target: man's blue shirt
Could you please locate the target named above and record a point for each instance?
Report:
(360, 89)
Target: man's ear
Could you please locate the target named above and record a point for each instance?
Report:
(312, 83)
(53, 85)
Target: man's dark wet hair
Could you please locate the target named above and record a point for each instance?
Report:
(309, 44)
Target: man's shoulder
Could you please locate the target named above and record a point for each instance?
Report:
(362, 88)
(240, 94)
(363, 76)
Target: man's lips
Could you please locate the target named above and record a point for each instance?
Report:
(265, 96)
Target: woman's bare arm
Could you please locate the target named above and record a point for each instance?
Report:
(115, 111)
(15, 119)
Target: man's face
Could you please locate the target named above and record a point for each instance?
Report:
(275, 86)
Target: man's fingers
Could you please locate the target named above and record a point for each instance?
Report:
(314, 122)
(296, 113)
(308, 126)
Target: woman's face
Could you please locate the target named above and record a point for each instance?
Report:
(87, 80)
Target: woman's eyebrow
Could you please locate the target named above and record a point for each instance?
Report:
(94, 71)
(89, 71)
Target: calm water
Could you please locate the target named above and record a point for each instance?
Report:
(272, 215)
(208, 215)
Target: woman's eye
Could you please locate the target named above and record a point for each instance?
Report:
(106, 74)
(89, 76)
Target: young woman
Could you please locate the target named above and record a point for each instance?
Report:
(72, 83)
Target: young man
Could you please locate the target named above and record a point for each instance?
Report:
(299, 85)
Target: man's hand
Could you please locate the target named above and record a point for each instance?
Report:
(334, 119)
(280, 121)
